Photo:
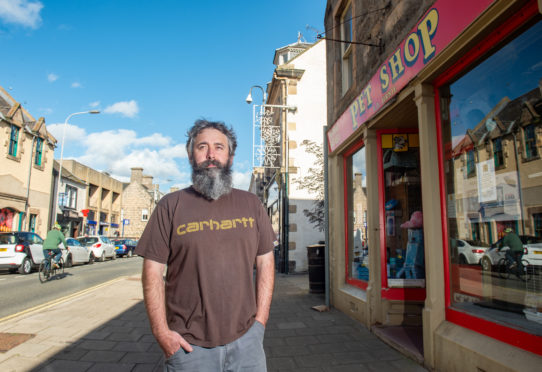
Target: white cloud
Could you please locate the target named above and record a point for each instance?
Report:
(126, 108)
(76, 84)
(94, 104)
(51, 77)
(241, 180)
(72, 132)
(22, 12)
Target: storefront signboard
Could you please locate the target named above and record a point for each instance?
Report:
(441, 24)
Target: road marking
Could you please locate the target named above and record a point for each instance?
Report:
(62, 299)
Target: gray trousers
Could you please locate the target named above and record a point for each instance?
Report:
(244, 354)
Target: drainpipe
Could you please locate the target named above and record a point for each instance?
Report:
(326, 219)
(24, 216)
(520, 192)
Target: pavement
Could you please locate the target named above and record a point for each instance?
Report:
(105, 328)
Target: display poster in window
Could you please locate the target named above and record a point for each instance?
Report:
(487, 186)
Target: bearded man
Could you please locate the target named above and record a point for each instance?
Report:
(206, 315)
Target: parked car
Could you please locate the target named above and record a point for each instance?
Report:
(77, 253)
(124, 247)
(469, 251)
(20, 251)
(532, 246)
(100, 246)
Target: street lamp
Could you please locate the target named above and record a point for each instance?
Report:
(249, 97)
(62, 153)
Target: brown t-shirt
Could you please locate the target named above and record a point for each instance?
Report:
(210, 249)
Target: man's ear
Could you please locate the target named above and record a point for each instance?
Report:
(230, 161)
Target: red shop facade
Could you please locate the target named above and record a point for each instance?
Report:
(435, 145)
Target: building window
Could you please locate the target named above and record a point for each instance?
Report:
(346, 49)
(531, 151)
(537, 219)
(498, 156)
(478, 209)
(357, 249)
(32, 223)
(144, 215)
(471, 168)
(71, 197)
(39, 151)
(13, 140)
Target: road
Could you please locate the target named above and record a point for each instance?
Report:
(21, 292)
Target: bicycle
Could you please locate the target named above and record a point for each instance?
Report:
(47, 271)
(504, 270)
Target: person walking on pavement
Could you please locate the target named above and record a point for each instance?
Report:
(515, 253)
(50, 244)
(207, 315)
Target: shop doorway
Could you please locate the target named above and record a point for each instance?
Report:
(401, 237)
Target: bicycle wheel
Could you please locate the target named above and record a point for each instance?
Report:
(44, 272)
(61, 265)
(502, 268)
(526, 270)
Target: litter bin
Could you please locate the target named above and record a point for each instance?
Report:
(317, 278)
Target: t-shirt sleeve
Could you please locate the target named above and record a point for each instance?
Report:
(266, 234)
(154, 243)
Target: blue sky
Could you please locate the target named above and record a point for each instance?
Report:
(151, 67)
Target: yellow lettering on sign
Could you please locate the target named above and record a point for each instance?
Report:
(384, 78)
(427, 29)
(396, 65)
(411, 57)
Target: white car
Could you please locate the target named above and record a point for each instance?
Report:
(100, 246)
(532, 253)
(470, 252)
(77, 253)
(20, 251)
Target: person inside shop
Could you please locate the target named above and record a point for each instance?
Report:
(206, 314)
(515, 253)
(50, 244)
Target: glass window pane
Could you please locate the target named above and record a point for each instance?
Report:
(492, 134)
(358, 248)
(403, 207)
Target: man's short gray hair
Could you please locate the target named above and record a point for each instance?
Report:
(202, 124)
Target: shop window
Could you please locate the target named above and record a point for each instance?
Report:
(498, 156)
(13, 140)
(531, 151)
(357, 250)
(346, 49)
(503, 88)
(39, 151)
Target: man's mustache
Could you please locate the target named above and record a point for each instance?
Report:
(206, 163)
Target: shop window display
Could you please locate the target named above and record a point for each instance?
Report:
(492, 132)
(404, 247)
(357, 270)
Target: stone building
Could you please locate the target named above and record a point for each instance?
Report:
(102, 207)
(26, 163)
(139, 197)
(292, 119)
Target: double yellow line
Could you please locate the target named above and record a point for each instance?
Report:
(61, 299)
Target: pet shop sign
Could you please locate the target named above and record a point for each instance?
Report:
(443, 22)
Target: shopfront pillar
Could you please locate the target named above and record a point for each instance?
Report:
(433, 313)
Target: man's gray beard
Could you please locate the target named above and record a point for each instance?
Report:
(212, 183)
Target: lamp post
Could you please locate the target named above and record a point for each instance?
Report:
(266, 148)
(62, 155)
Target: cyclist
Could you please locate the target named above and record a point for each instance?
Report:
(51, 242)
(515, 253)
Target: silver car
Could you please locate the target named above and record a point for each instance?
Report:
(77, 253)
(100, 246)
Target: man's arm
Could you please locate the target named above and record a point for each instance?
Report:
(265, 281)
(155, 303)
